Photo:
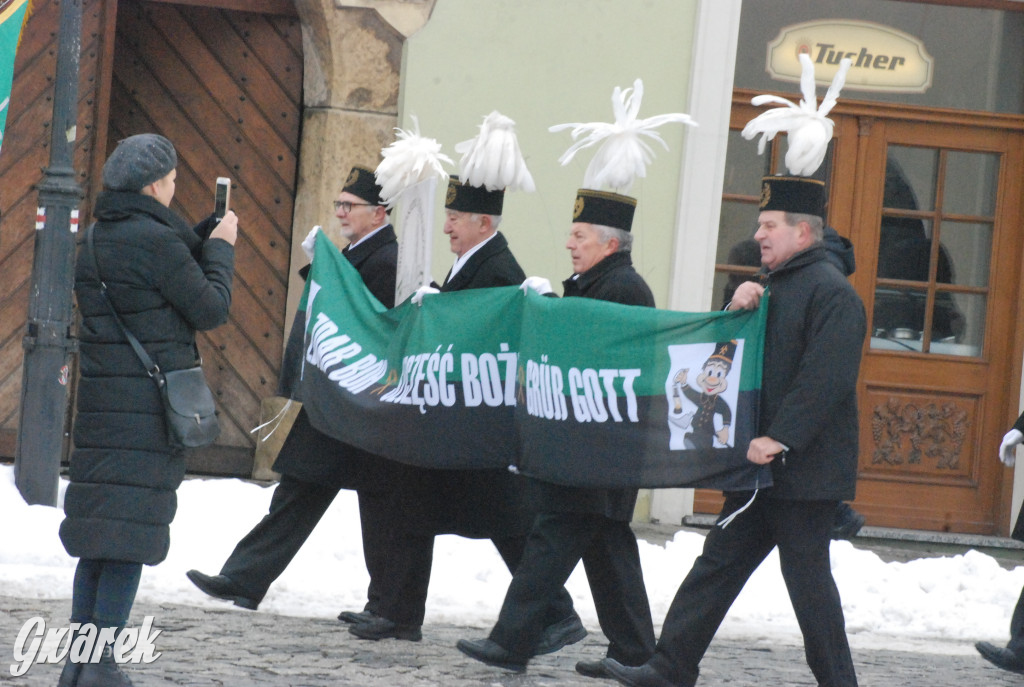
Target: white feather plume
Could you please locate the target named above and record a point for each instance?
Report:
(624, 154)
(412, 158)
(493, 159)
(808, 125)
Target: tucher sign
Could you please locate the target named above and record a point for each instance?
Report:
(884, 59)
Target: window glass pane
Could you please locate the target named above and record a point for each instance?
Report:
(736, 228)
(971, 183)
(904, 249)
(948, 321)
(898, 317)
(968, 249)
(910, 178)
(958, 322)
(967, 320)
(744, 167)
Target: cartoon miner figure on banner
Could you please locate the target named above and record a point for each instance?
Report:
(692, 411)
(712, 381)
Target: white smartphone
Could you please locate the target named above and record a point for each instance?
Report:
(222, 198)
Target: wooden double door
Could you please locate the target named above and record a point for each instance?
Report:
(223, 80)
(932, 202)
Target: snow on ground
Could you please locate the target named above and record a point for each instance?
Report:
(939, 605)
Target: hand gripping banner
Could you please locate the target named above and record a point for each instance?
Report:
(572, 391)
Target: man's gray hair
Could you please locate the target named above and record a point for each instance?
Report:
(816, 223)
(495, 219)
(606, 234)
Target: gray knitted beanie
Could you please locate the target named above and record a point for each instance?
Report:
(139, 161)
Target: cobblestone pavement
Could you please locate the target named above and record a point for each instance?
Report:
(211, 647)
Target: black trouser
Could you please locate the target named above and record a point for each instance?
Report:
(1016, 643)
(801, 530)
(295, 509)
(608, 548)
(404, 592)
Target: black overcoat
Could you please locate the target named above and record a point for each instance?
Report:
(470, 503)
(308, 454)
(492, 265)
(813, 341)
(1018, 527)
(166, 283)
(612, 279)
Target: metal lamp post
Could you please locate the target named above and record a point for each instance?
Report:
(48, 343)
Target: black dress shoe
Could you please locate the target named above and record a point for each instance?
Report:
(847, 522)
(592, 669)
(382, 628)
(560, 634)
(221, 587)
(491, 653)
(1001, 657)
(355, 617)
(641, 676)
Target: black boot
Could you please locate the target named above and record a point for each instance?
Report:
(69, 676)
(106, 673)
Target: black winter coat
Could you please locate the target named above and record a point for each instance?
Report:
(815, 334)
(166, 283)
(492, 265)
(612, 279)
(308, 454)
(470, 503)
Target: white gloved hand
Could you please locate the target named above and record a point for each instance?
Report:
(309, 243)
(538, 284)
(417, 296)
(1007, 452)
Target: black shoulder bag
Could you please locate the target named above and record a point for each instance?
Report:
(188, 402)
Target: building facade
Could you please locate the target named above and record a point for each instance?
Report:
(284, 97)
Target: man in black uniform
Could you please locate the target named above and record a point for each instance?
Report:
(314, 466)
(1010, 657)
(576, 523)
(477, 504)
(808, 434)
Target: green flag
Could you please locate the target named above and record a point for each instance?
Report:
(572, 391)
(12, 16)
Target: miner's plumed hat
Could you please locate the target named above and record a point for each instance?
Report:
(604, 207)
(465, 198)
(138, 161)
(724, 352)
(362, 182)
(793, 194)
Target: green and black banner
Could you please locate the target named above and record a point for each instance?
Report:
(572, 391)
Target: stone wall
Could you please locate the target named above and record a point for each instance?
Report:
(353, 62)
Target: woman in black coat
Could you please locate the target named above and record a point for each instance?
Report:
(166, 280)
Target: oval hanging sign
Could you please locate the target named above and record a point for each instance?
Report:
(884, 58)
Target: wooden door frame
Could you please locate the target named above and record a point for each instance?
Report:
(1003, 303)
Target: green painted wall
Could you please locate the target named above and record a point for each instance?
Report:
(545, 62)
